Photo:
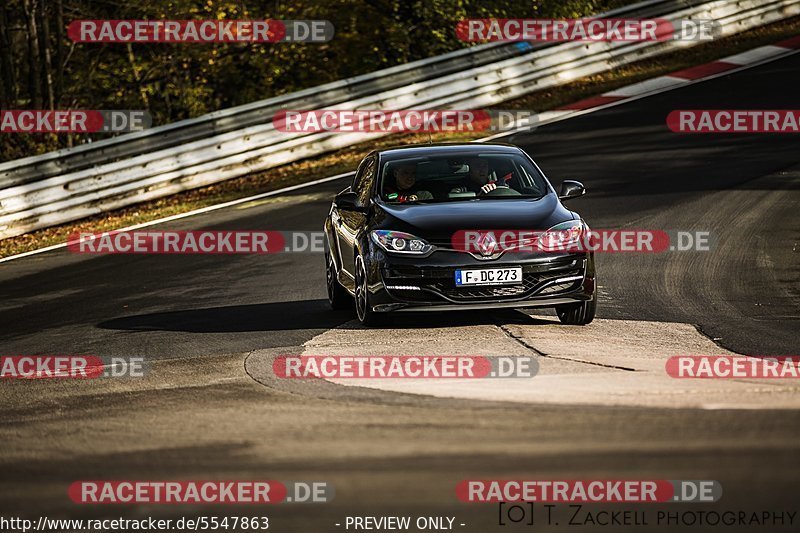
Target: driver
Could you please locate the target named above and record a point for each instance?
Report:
(405, 177)
(478, 179)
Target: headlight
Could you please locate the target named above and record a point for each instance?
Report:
(563, 236)
(398, 242)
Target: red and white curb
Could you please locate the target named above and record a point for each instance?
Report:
(665, 83)
(683, 77)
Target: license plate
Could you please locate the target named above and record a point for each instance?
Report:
(489, 276)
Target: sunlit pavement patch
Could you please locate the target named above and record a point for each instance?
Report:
(610, 362)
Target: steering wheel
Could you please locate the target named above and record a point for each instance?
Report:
(502, 190)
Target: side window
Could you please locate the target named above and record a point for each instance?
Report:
(365, 177)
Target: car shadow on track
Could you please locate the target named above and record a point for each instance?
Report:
(273, 316)
(304, 314)
(433, 320)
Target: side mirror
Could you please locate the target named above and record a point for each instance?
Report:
(571, 189)
(348, 201)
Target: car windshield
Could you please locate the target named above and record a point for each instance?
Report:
(457, 178)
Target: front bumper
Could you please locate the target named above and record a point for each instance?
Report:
(428, 284)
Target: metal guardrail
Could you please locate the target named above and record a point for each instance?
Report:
(108, 150)
(70, 184)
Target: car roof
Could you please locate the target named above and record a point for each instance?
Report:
(421, 150)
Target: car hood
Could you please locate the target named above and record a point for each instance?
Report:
(438, 222)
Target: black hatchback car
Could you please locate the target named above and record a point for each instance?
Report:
(420, 229)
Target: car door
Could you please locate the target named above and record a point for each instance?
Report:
(348, 223)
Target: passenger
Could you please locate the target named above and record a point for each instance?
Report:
(405, 177)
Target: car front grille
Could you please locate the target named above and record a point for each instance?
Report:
(438, 284)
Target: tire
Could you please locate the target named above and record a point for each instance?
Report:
(338, 296)
(578, 314)
(364, 311)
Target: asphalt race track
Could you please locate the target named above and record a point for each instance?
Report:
(210, 325)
